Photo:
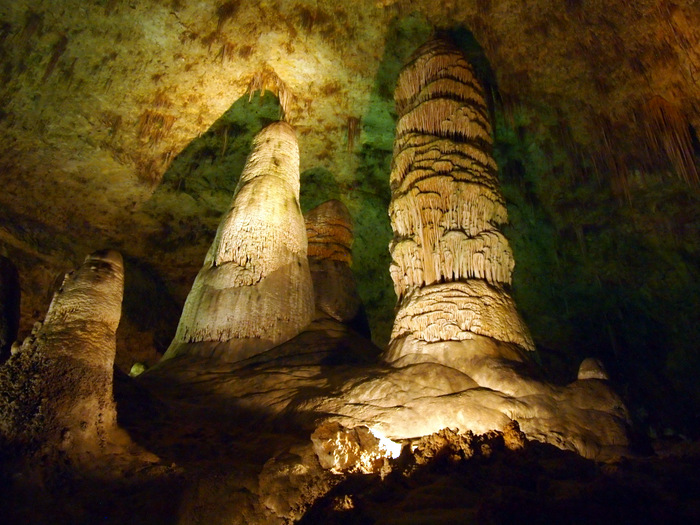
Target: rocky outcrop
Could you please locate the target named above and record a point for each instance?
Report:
(9, 306)
(56, 389)
(451, 264)
(329, 232)
(254, 290)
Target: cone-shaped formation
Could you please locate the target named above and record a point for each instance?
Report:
(254, 290)
(9, 306)
(56, 391)
(329, 231)
(450, 261)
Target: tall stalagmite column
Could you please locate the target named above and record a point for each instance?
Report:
(254, 290)
(56, 390)
(451, 264)
(329, 230)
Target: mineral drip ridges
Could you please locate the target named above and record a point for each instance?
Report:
(446, 207)
(254, 290)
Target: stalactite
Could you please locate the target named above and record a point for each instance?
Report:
(353, 131)
(667, 130)
(268, 80)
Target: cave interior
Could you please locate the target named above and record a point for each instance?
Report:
(127, 125)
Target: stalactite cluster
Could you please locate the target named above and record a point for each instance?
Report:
(268, 80)
(667, 129)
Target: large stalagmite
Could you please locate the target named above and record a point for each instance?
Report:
(254, 290)
(329, 231)
(458, 357)
(56, 390)
(451, 264)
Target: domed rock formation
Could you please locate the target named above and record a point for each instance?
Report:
(56, 389)
(254, 290)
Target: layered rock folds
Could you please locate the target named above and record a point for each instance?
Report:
(451, 263)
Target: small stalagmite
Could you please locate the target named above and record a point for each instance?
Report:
(56, 390)
(329, 231)
(254, 290)
(451, 265)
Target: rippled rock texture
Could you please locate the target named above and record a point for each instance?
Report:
(254, 290)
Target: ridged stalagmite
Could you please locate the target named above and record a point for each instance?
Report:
(56, 390)
(451, 264)
(329, 231)
(254, 290)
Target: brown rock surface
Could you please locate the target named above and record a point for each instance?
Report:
(329, 232)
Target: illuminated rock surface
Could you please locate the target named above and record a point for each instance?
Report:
(254, 290)
(116, 129)
(57, 387)
(450, 261)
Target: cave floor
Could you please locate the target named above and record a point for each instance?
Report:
(239, 469)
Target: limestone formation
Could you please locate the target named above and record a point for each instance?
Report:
(458, 357)
(329, 232)
(459, 352)
(451, 264)
(254, 290)
(9, 306)
(56, 391)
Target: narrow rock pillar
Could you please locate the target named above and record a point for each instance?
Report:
(56, 390)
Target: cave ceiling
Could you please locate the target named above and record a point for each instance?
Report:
(102, 102)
